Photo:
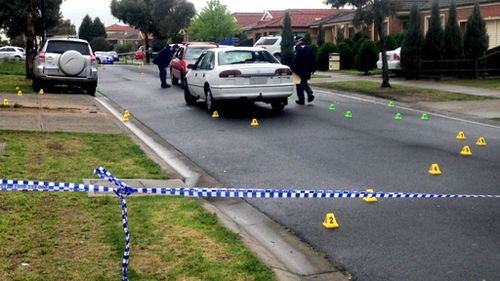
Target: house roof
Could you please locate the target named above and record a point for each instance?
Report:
(247, 20)
(446, 3)
(120, 28)
(344, 16)
(299, 17)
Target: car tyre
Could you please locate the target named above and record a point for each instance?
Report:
(91, 89)
(17, 58)
(278, 105)
(175, 80)
(209, 98)
(190, 100)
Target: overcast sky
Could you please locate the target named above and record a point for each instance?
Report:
(75, 10)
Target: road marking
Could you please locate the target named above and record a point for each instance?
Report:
(409, 109)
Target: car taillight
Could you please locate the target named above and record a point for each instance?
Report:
(93, 59)
(41, 56)
(230, 73)
(283, 72)
(396, 57)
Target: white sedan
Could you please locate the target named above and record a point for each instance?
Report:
(393, 61)
(238, 73)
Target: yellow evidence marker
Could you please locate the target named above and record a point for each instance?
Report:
(330, 221)
(481, 142)
(466, 151)
(370, 199)
(215, 114)
(254, 123)
(434, 170)
(461, 136)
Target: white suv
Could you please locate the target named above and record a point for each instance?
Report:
(12, 53)
(271, 44)
(66, 61)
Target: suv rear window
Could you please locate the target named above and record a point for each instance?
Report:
(60, 47)
(240, 57)
(267, 41)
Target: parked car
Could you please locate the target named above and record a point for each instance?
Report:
(238, 73)
(12, 53)
(114, 55)
(104, 58)
(393, 61)
(270, 43)
(139, 54)
(187, 54)
(66, 61)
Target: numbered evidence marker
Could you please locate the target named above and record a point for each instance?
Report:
(370, 199)
(330, 221)
(466, 151)
(434, 170)
(481, 142)
(461, 136)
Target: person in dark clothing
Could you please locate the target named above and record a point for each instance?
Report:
(162, 59)
(303, 64)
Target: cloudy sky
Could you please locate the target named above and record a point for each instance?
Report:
(75, 10)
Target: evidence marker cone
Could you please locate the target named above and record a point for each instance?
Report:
(126, 116)
(434, 170)
(466, 151)
(19, 93)
(461, 136)
(254, 123)
(348, 114)
(330, 221)
(481, 142)
(331, 107)
(370, 199)
(398, 116)
(215, 114)
(41, 92)
(424, 117)
(5, 102)
(391, 104)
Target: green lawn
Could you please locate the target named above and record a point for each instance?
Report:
(478, 83)
(361, 73)
(12, 75)
(397, 92)
(68, 236)
(13, 68)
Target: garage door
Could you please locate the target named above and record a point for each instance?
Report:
(493, 28)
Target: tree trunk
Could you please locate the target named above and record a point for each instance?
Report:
(385, 70)
(146, 44)
(30, 43)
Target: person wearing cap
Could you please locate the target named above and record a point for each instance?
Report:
(303, 64)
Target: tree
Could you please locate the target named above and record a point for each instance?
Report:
(367, 57)
(100, 44)
(453, 43)
(372, 12)
(355, 48)
(413, 43)
(85, 31)
(434, 38)
(98, 29)
(391, 43)
(359, 35)
(475, 38)
(287, 41)
(214, 23)
(179, 18)
(23, 17)
(324, 55)
(346, 56)
(307, 39)
(321, 36)
(63, 27)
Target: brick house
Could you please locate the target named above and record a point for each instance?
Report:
(271, 22)
(123, 34)
(342, 23)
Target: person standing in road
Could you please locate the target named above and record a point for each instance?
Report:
(162, 59)
(303, 64)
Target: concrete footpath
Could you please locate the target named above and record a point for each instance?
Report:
(289, 257)
(485, 109)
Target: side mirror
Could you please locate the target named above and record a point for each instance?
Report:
(191, 66)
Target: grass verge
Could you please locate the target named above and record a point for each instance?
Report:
(360, 73)
(13, 68)
(397, 92)
(8, 83)
(496, 119)
(493, 84)
(61, 236)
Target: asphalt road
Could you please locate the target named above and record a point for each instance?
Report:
(312, 147)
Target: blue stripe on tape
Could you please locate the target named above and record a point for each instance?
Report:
(123, 190)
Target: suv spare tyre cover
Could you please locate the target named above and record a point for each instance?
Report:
(71, 62)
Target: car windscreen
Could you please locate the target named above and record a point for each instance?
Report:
(267, 41)
(245, 56)
(60, 47)
(194, 53)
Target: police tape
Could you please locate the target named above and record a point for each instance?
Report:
(123, 190)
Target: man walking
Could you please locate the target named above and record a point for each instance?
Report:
(303, 64)
(162, 59)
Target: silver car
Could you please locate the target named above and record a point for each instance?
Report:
(66, 61)
(12, 53)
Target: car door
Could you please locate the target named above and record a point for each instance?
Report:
(197, 77)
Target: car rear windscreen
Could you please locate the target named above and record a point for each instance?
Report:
(266, 42)
(60, 47)
(194, 53)
(245, 56)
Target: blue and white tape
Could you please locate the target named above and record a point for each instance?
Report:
(123, 190)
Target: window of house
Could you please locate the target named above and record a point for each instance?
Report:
(462, 26)
(428, 21)
(341, 31)
(352, 32)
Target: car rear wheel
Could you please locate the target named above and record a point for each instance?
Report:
(278, 105)
(91, 89)
(211, 104)
(190, 100)
(175, 80)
